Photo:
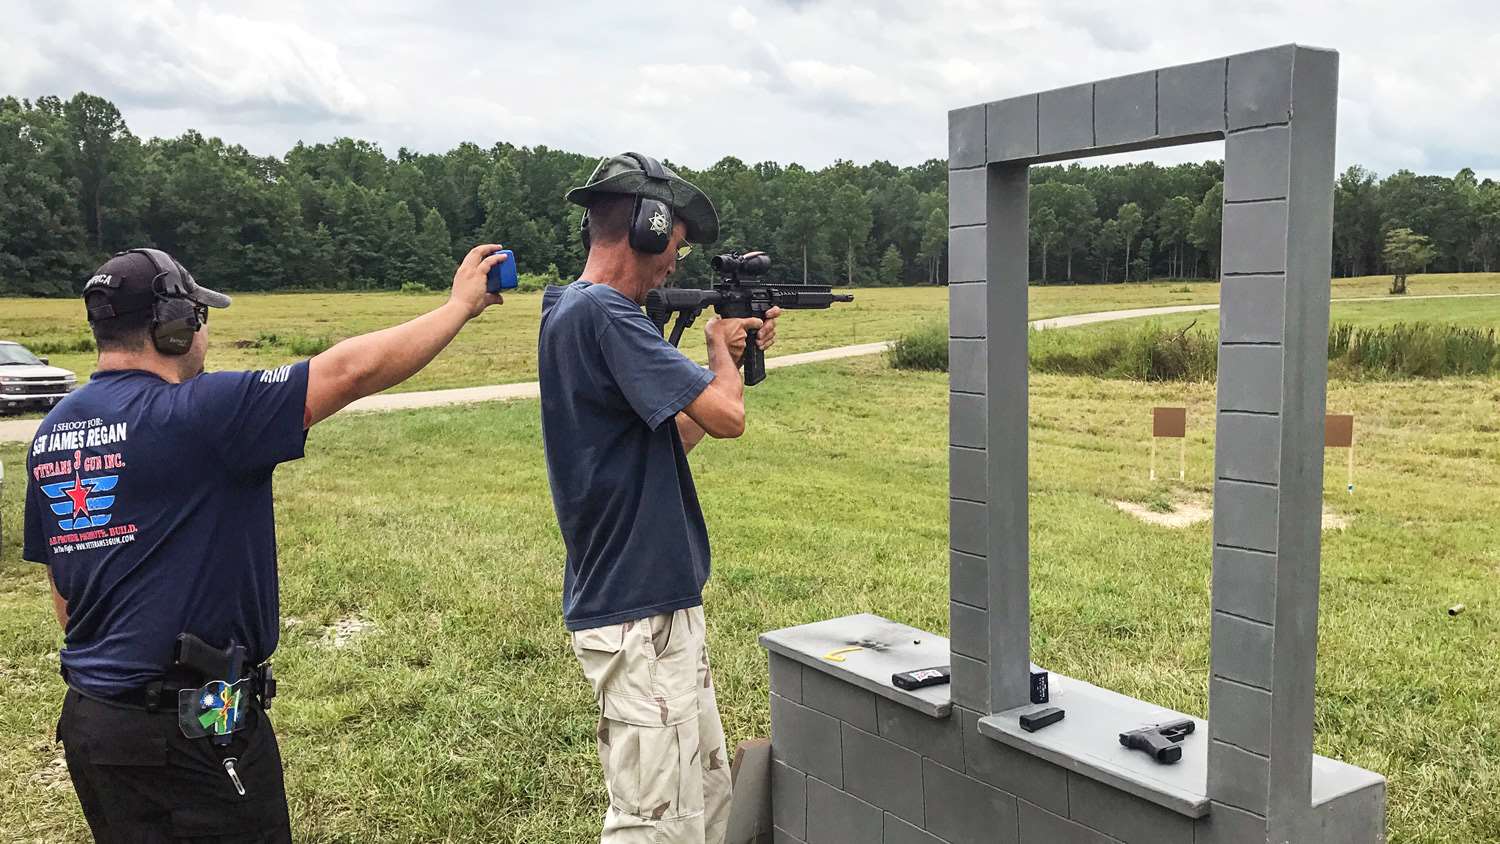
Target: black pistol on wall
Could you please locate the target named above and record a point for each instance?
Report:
(737, 299)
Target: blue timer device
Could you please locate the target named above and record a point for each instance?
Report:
(503, 275)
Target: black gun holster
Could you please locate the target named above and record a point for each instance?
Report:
(196, 662)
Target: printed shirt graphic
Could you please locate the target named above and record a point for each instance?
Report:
(151, 503)
(629, 515)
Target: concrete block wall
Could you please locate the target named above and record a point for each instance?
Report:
(851, 767)
(859, 766)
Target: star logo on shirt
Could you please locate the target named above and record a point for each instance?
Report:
(79, 495)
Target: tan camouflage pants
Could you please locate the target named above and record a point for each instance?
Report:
(660, 739)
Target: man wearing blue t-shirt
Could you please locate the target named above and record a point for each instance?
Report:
(621, 407)
(149, 500)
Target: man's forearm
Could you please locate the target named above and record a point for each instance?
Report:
(365, 365)
(59, 604)
(691, 432)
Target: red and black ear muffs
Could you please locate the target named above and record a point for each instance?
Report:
(174, 317)
(651, 220)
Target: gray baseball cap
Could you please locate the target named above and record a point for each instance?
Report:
(634, 174)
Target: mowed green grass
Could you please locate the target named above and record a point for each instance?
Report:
(461, 715)
(500, 346)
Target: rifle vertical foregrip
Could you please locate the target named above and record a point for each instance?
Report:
(755, 359)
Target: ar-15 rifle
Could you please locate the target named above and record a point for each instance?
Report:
(737, 299)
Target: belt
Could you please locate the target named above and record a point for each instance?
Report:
(159, 694)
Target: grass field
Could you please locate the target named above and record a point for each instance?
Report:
(460, 715)
(500, 346)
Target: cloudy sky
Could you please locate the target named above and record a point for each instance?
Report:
(792, 80)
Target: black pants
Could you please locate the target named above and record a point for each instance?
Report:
(140, 780)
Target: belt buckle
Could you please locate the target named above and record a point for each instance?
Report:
(215, 709)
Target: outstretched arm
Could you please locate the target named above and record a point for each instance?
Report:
(364, 365)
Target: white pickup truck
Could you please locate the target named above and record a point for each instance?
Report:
(27, 382)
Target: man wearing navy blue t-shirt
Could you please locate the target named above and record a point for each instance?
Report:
(621, 407)
(149, 500)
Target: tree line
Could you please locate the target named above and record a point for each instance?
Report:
(76, 185)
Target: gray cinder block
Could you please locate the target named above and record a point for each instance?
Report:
(807, 740)
(1256, 164)
(1260, 88)
(966, 476)
(966, 137)
(1012, 770)
(844, 701)
(1125, 109)
(1228, 825)
(970, 682)
(1252, 309)
(966, 254)
(1133, 821)
(967, 369)
(937, 738)
(1190, 99)
(1245, 516)
(781, 836)
(898, 831)
(1241, 650)
(967, 527)
(967, 419)
(789, 799)
(883, 773)
(1065, 119)
(960, 809)
(1250, 378)
(970, 629)
(1011, 129)
(1244, 583)
(966, 311)
(1355, 818)
(834, 817)
(1239, 778)
(1247, 447)
(966, 197)
(1255, 238)
(968, 579)
(786, 678)
(1039, 826)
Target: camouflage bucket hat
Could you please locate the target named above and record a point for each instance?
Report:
(627, 174)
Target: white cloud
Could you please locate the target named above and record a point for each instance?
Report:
(789, 80)
(740, 19)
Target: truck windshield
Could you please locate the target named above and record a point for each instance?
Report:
(17, 355)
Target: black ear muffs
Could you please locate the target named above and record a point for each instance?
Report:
(174, 318)
(173, 324)
(651, 220)
(650, 226)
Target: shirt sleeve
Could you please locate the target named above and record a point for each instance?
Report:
(656, 378)
(34, 546)
(253, 419)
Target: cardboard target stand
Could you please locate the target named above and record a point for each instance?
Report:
(856, 760)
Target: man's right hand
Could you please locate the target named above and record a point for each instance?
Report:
(470, 278)
(730, 332)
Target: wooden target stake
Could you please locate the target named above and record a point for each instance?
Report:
(1170, 422)
(1338, 432)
